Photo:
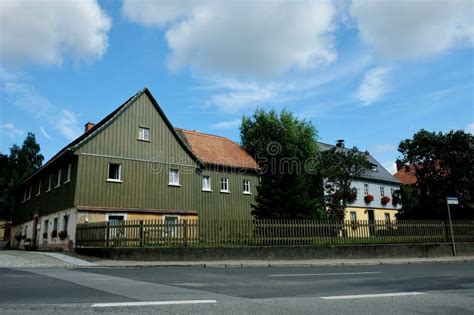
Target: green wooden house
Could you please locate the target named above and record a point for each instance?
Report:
(133, 165)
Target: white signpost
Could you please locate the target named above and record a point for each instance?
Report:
(451, 201)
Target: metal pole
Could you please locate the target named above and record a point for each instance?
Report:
(453, 245)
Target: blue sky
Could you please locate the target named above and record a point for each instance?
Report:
(372, 73)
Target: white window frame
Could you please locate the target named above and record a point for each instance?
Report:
(68, 175)
(366, 189)
(114, 180)
(173, 177)
(24, 195)
(141, 134)
(225, 182)
(58, 181)
(392, 191)
(374, 168)
(209, 188)
(29, 193)
(39, 188)
(246, 187)
(66, 224)
(382, 191)
(50, 181)
(353, 216)
(45, 228)
(171, 230)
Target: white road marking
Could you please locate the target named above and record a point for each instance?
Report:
(325, 274)
(363, 296)
(145, 303)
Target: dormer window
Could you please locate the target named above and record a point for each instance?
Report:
(374, 168)
(143, 134)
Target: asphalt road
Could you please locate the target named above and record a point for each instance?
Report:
(388, 289)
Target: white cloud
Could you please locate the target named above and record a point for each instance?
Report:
(414, 28)
(373, 86)
(470, 128)
(43, 32)
(11, 130)
(23, 95)
(391, 167)
(241, 38)
(45, 134)
(231, 124)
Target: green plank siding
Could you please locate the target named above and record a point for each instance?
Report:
(58, 198)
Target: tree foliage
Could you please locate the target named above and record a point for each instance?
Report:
(285, 149)
(21, 163)
(339, 167)
(444, 166)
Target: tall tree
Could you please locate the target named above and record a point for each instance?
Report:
(444, 166)
(339, 167)
(21, 163)
(286, 152)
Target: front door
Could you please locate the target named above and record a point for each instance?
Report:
(371, 216)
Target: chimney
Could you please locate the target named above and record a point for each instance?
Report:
(88, 127)
(340, 143)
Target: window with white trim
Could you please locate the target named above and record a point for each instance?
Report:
(65, 223)
(174, 177)
(246, 186)
(143, 134)
(45, 228)
(115, 172)
(392, 191)
(353, 216)
(58, 181)
(68, 175)
(382, 191)
(24, 196)
(50, 181)
(55, 225)
(366, 189)
(29, 193)
(224, 184)
(206, 183)
(39, 188)
(374, 168)
(387, 217)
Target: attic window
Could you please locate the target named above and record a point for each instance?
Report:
(374, 168)
(143, 134)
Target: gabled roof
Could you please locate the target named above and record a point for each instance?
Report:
(406, 176)
(217, 150)
(380, 175)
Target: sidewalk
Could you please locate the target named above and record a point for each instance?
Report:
(25, 259)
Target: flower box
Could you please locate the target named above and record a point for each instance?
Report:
(62, 235)
(369, 198)
(385, 200)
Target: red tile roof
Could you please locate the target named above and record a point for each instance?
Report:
(217, 150)
(407, 177)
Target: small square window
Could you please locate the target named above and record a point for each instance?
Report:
(246, 186)
(206, 183)
(144, 134)
(174, 177)
(115, 172)
(224, 184)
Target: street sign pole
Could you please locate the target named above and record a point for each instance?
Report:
(451, 200)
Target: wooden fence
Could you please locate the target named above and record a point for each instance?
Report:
(154, 233)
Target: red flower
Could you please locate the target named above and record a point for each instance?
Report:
(369, 198)
(385, 200)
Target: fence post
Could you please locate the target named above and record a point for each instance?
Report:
(107, 234)
(141, 234)
(185, 232)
